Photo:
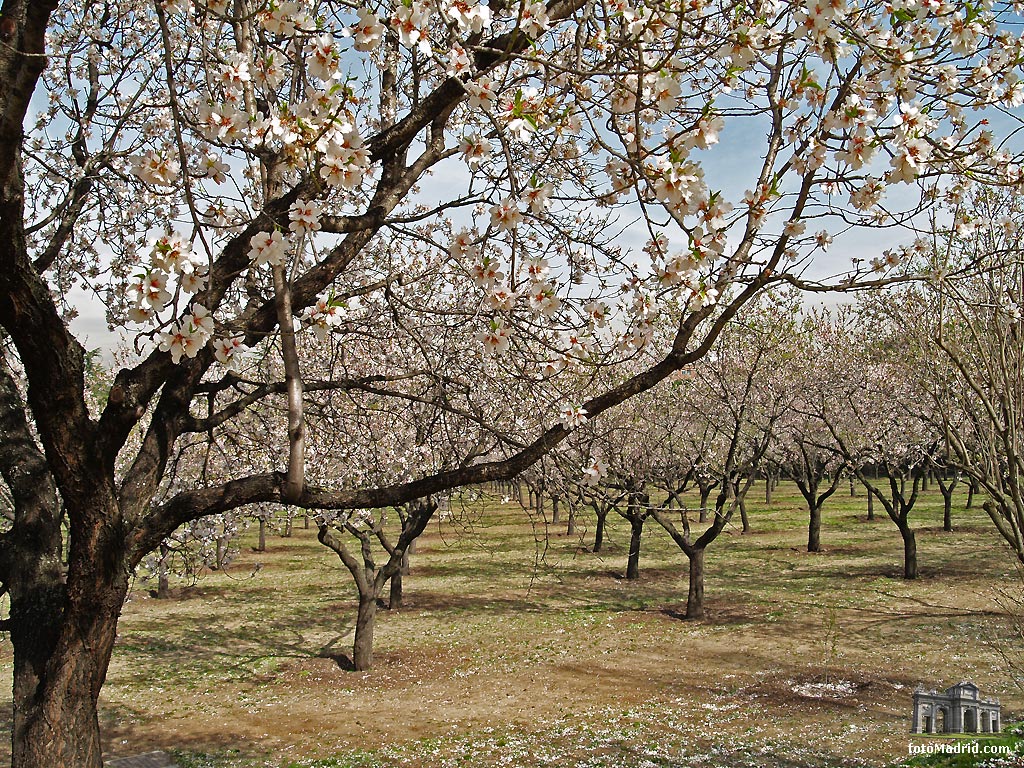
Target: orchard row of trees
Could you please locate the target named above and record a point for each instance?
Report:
(862, 394)
(370, 252)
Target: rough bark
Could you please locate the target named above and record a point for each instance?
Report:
(814, 530)
(602, 516)
(695, 595)
(705, 494)
(909, 552)
(362, 646)
(636, 531)
(395, 593)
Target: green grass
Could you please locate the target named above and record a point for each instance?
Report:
(521, 649)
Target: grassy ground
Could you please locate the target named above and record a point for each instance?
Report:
(519, 650)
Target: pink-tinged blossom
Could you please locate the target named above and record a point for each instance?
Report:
(666, 91)
(267, 248)
(910, 161)
(481, 93)
(171, 253)
(221, 122)
(506, 215)
(501, 298)
(280, 17)
(410, 21)
(235, 73)
(486, 272)
(552, 367)
(538, 197)
(572, 416)
(705, 135)
(595, 471)
(475, 149)
(598, 312)
(322, 56)
(459, 61)
(156, 168)
(151, 288)
(180, 340)
(213, 168)
(345, 161)
(325, 315)
(305, 217)
(534, 19)
(199, 320)
(368, 32)
(868, 195)
(464, 244)
(195, 281)
(860, 149)
(536, 268)
(138, 313)
(229, 352)
(471, 17)
(543, 300)
(794, 228)
(495, 339)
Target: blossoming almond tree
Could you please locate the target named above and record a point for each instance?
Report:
(231, 174)
(964, 326)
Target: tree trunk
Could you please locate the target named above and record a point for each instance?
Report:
(695, 596)
(395, 596)
(570, 525)
(743, 514)
(60, 663)
(704, 494)
(287, 527)
(947, 511)
(262, 546)
(814, 529)
(972, 487)
(163, 582)
(853, 488)
(909, 552)
(599, 532)
(305, 522)
(362, 646)
(871, 506)
(768, 490)
(555, 511)
(636, 530)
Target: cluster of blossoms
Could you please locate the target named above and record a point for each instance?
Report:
(889, 111)
(572, 416)
(327, 313)
(594, 472)
(170, 256)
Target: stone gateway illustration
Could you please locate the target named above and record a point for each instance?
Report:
(960, 709)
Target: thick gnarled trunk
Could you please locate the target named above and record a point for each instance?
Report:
(61, 655)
